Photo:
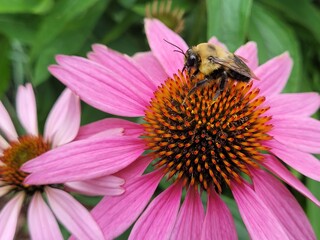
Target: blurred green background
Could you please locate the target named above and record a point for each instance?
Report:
(32, 32)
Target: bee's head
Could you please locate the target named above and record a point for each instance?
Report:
(191, 59)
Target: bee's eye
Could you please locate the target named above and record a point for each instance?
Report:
(191, 60)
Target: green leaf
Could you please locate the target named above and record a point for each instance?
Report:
(302, 12)
(241, 229)
(4, 65)
(228, 21)
(196, 23)
(313, 211)
(68, 40)
(64, 14)
(25, 6)
(275, 37)
(14, 27)
(19, 62)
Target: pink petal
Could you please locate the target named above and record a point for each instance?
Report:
(91, 81)
(218, 223)
(249, 52)
(281, 202)
(27, 109)
(273, 75)
(9, 216)
(63, 121)
(116, 214)
(156, 32)
(41, 222)
(84, 159)
(6, 125)
(149, 63)
(190, 218)
(124, 66)
(73, 215)
(108, 185)
(271, 163)
(299, 133)
(303, 162)
(3, 144)
(157, 221)
(108, 124)
(259, 220)
(297, 104)
(136, 168)
(215, 41)
(112, 132)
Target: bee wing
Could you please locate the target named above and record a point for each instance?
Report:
(237, 64)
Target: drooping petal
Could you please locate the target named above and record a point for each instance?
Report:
(6, 125)
(157, 33)
(73, 215)
(296, 104)
(303, 162)
(84, 159)
(281, 202)
(104, 125)
(107, 185)
(4, 189)
(9, 217)
(249, 52)
(63, 121)
(149, 63)
(218, 222)
(271, 163)
(121, 222)
(273, 75)
(124, 66)
(27, 109)
(41, 222)
(190, 218)
(298, 133)
(116, 214)
(157, 221)
(259, 220)
(101, 88)
(3, 144)
(215, 41)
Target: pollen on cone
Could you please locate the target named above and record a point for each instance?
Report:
(205, 141)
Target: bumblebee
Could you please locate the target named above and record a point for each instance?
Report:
(216, 63)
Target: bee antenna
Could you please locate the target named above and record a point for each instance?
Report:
(179, 49)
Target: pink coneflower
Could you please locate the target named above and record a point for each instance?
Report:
(61, 128)
(207, 148)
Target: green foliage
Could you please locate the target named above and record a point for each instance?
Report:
(274, 37)
(228, 19)
(26, 6)
(32, 32)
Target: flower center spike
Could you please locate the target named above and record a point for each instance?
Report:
(19, 152)
(204, 141)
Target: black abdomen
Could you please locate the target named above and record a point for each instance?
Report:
(237, 76)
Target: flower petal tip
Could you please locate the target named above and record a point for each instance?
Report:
(98, 47)
(286, 57)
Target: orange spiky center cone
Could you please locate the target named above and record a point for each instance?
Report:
(204, 141)
(19, 152)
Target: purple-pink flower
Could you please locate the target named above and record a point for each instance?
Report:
(61, 129)
(202, 146)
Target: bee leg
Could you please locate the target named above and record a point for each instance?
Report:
(197, 85)
(223, 81)
(194, 74)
